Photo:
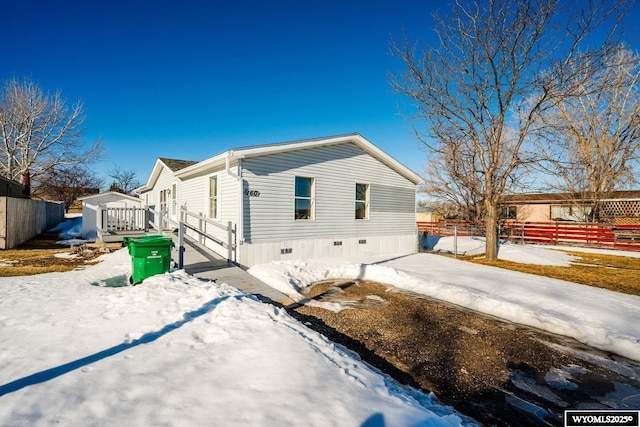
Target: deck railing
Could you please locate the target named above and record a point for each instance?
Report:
(216, 235)
(124, 219)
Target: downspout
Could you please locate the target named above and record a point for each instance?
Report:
(238, 177)
(228, 165)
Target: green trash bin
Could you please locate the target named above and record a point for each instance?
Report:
(150, 255)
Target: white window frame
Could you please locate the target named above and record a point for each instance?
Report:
(163, 201)
(365, 201)
(310, 198)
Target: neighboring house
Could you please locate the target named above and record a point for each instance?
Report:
(10, 188)
(427, 214)
(92, 218)
(616, 207)
(325, 197)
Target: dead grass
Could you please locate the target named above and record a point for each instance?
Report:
(616, 273)
(38, 256)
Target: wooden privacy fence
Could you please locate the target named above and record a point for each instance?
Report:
(21, 219)
(624, 237)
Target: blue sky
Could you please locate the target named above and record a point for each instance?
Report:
(191, 79)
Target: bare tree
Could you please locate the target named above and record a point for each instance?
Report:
(496, 66)
(591, 140)
(124, 181)
(448, 179)
(39, 131)
(68, 183)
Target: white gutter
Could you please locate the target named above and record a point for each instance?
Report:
(227, 164)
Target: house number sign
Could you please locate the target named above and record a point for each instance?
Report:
(252, 193)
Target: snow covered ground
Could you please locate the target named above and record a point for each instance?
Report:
(179, 351)
(82, 348)
(600, 318)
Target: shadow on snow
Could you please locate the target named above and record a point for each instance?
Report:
(49, 374)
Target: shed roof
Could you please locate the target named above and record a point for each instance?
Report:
(110, 193)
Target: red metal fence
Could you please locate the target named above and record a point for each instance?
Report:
(624, 237)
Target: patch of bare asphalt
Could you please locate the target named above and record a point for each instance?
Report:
(493, 371)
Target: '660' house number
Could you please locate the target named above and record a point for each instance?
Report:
(252, 193)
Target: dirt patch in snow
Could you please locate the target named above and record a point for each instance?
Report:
(492, 371)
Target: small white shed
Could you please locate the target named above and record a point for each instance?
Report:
(91, 206)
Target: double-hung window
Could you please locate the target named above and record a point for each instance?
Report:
(304, 194)
(362, 201)
(164, 201)
(213, 197)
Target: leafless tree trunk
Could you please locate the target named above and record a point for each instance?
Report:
(591, 140)
(496, 67)
(39, 131)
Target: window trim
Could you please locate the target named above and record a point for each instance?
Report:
(163, 201)
(366, 201)
(310, 198)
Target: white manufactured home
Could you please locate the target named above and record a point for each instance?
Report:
(327, 197)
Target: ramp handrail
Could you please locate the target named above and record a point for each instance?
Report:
(226, 241)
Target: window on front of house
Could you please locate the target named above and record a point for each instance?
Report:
(304, 193)
(164, 197)
(213, 197)
(362, 201)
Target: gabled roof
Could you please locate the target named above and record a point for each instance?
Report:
(188, 168)
(173, 165)
(263, 150)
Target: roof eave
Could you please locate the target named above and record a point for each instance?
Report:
(263, 150)
(356, 138)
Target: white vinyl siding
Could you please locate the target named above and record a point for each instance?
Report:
(336, 170)
(165, 181)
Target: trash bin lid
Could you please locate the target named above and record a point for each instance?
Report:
(154, 240)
